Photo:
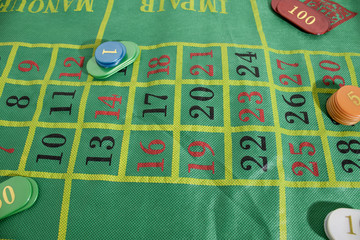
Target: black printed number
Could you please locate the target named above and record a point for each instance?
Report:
(246, 146)
(21, 102)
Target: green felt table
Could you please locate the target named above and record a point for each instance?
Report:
(218, 130)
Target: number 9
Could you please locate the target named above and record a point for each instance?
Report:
(32, 63)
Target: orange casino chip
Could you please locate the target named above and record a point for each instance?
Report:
(344, 105)
(302, 16)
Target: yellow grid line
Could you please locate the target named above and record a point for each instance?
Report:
(155, 83)
(175, 166)
(47, 45)
(279, 152)
(104, 22)
(281, 171)
(68, 177)
(7, 68)
(65, 205)
(71, 165)
(227, 116)
(313, 52)
(282, 189)
(320, 123)
(172, 82)
(197, 181)
(210, 129)
(129, 113)
(203, 45)
(187, 181)
(351, 68)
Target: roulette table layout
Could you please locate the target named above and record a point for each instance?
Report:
(218, 129)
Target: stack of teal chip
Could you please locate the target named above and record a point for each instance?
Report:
(110, 57)
(16, 195)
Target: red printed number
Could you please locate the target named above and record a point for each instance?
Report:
(201, 54)
(249, 97)
(321, 64)
(27, 69)
(298, 80)
(331, 69)
(66, 64)
(159, 62)
(210, 70)
(114, 99)
(315, 170)
(151, 151)
(303, 144)
(261, 116)
(204, 146)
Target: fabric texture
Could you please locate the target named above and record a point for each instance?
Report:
(219, 130)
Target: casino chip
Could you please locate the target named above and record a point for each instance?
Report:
(342, 224)
(18, 194)
(99, 72)
(344, 105)
(109, 54)
(302, 16)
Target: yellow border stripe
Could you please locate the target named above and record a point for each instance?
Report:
(129, 113)
(104, 22)
(170, 180)
(227, 116)
(351, 68)
(175, 166)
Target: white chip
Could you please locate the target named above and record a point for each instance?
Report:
(343, 224)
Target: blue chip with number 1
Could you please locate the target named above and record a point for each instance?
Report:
(109, 54)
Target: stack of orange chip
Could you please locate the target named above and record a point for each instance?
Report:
(344, 105)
